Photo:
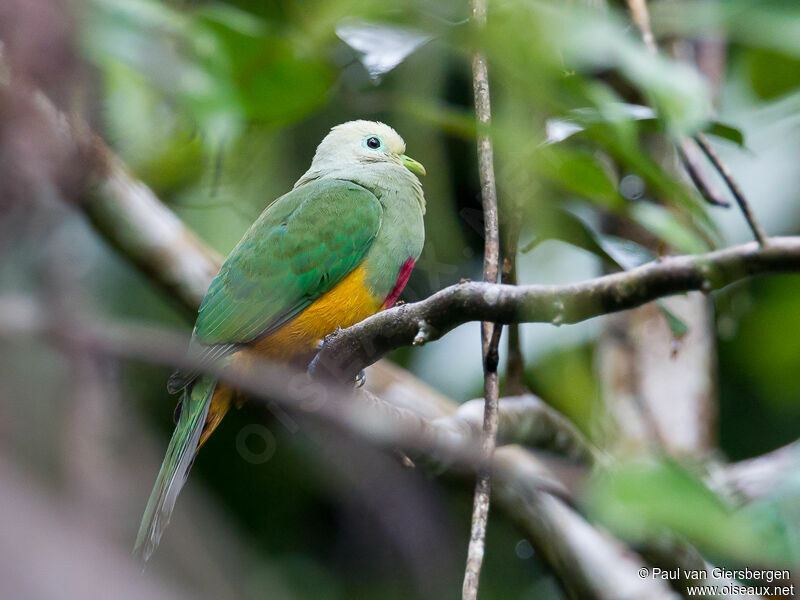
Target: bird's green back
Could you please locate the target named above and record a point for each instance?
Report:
(302, 245)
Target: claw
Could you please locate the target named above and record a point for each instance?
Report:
(361, 379)
(177, 414)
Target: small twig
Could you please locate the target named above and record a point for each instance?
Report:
(490, 332)
(759, 477)
(348, 351)
(529, 421)
(726, 175)
(509, 240)
(641, 17)
(706, 188)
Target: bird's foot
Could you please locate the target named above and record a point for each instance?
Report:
(361, 379)
(404, 459)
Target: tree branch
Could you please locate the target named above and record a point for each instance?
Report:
(147, 233)
(590, 563)
(490, 332)
(528, 421)
(509, 237)
(347, 351)
(738, 195)
(130, 217)
(641, 17)
(759, 477)
(705, 187)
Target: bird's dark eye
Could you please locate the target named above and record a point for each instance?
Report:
(373, 143)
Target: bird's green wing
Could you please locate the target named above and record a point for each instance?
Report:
(302, 245)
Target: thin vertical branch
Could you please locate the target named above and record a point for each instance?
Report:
(641, 17)
(726, 175)
(490, 332)
(509, 241)
(706, 188)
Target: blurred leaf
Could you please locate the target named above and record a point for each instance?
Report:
(620, 138)
(677, 327)
(218, 64)
(160, 148)
(771, 325)
(663, 223)
(264, 67)
(579, 119)
(566, 378)
(772, 74)
(578, 172)
(782, 507)
(677, 91)
(560, 224)
(640, 500)
(568, 40)
(727, 132)
(769, 24)
(380, 47)
(625, 253)
(452, 119)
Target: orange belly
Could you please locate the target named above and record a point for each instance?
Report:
(347, 303)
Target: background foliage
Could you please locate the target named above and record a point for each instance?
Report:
(218, 107)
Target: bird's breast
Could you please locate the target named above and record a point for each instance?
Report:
(345, 304)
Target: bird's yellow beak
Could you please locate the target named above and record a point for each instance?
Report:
(412, 165)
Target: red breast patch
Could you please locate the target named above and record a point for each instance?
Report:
(402, 279)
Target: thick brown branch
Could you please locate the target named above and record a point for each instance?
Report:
(348, 351)
(590, 563)
(147, 233)
(130, 217)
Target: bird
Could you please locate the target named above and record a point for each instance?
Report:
(337, 248)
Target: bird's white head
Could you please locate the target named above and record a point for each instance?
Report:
(364, 143)
(369, 153)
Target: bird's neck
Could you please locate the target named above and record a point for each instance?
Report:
(382, 179)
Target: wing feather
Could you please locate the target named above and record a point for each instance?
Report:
(300, 247)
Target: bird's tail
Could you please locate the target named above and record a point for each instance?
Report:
(176, 465)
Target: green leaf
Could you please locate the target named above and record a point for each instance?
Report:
(677, 327)
(219, 65)
(642, 499)
(580, 119)
(727, 132)
(626, 253)
(451, 119)
(263, 68)
(560, 224)
(579, 172)
(660, 221)
(772, 74)
(781, 506)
